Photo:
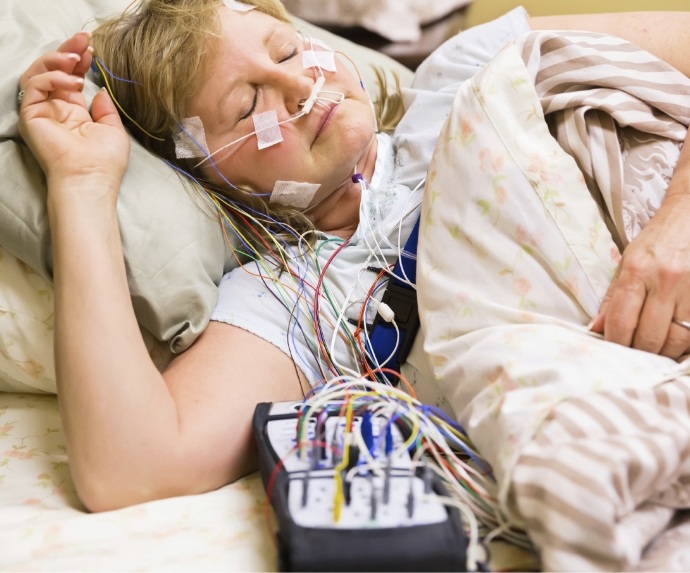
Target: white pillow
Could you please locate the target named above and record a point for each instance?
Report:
(397, 20)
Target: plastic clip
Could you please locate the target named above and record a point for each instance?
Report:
(402, 301)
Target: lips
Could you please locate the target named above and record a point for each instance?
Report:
(325, 119)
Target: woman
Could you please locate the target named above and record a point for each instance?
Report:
(134, 434)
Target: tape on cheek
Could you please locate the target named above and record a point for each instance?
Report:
(267, 128)
(319, 59)
(190, 141)
(238, 6)
(293, 194)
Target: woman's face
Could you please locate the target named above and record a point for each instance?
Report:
(258, 68)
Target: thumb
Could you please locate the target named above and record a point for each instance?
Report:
(597, 324)
(103, 110)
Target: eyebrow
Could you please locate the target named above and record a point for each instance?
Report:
(266, 40)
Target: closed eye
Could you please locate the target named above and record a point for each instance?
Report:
(291, 55)
(253, 106)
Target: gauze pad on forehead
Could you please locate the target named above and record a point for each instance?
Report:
(191, 139)
(293, 194)
(321, 59)
(238, 6)
(267, 128)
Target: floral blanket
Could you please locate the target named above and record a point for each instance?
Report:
(553, 158)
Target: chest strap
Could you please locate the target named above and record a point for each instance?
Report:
(402, 300)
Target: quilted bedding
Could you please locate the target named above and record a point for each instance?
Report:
(552, 160)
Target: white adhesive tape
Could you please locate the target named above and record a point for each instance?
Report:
(191, 140)
(293, 194)
(267, 128)
(238, 6)
(319, 59)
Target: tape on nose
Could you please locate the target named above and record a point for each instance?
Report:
(319, 59)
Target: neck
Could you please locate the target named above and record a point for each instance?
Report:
(338, 214)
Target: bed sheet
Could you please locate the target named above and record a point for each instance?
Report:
(45, 528)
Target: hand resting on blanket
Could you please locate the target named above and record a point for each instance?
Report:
(652, 285)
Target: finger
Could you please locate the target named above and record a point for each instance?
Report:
(84, 64)
(72, 56)
(79, 44)
(677, 341)
(653, 324)
(597, 324)
(53, 61)
(103, 110)
(623, 310)
(44, 86)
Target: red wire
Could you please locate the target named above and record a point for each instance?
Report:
(317, 295)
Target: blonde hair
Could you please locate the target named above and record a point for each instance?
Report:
(152, 55)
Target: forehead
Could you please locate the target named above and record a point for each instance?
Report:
(243, 31)
(244, 36)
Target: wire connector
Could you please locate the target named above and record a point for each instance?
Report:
(315, 91)
(386, 312)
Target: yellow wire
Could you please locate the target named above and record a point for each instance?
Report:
(104, 75)
(338, 502)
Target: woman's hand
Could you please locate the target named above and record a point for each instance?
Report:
(651, 289)
(73, 146)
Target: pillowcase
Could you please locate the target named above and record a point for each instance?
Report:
(173, 245)
(26, 330)
(396, 20)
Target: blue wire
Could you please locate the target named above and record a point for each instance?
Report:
(111, 74)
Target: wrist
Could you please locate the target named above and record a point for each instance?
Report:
(677, 201)
(92, 188)
(82, 203)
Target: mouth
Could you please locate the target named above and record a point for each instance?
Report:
(325, 120)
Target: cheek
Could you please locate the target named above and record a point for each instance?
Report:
(260, 169)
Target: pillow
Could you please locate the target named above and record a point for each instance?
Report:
(397, 20)
(26, 330)
(174, 249)
(172, 242)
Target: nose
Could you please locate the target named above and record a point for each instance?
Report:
(293, 85)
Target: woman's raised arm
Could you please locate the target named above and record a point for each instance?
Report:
(132, 434)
